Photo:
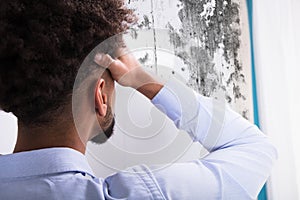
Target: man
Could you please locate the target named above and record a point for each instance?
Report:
(42, 46)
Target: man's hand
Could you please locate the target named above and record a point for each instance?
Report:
(127, 71)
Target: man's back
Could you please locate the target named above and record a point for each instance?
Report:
(63, 173)
(55, 173)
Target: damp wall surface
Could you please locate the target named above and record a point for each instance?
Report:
(211, 37)
(205, 44)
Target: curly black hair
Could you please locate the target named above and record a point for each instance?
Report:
(42, 44)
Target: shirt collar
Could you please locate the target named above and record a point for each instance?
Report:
(42, 162)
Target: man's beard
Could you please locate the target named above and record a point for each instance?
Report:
(104, 135)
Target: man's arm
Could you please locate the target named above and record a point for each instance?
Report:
(240, 156)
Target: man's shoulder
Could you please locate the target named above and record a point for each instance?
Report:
(137, 180)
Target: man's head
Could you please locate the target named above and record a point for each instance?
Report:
(42, 45)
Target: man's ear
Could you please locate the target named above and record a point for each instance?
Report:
(100, 98)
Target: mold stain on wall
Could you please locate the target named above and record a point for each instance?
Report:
(206, 35)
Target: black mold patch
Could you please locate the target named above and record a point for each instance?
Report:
(207, 26)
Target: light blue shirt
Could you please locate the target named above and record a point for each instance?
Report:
(239, 162)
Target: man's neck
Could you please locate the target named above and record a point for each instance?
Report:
(40, 138)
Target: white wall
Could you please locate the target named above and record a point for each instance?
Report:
(277, 44)
(8, 132)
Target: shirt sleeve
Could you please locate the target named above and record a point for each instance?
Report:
(239, 162)
(240, 158)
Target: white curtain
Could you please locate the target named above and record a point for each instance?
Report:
(276, 28)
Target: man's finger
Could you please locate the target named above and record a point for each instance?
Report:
(104, 60)
(115, 66)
